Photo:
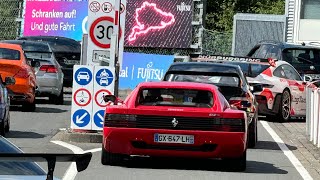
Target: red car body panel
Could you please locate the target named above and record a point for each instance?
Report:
(223, 143)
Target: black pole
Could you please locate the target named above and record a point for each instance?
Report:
(116, 59)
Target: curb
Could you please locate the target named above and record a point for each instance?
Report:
(78, 136)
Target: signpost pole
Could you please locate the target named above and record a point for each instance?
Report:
(116, 63)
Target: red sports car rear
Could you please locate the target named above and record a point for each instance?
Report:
(175, 119)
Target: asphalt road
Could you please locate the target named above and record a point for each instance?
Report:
(32, 132)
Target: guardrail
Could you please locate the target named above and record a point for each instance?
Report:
(313, 115)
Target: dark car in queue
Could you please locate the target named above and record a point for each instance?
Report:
(174, 119)
(49, 75)
(17, 165)
(67, 51)
(305, 58)
(231, 82)
(5, 105)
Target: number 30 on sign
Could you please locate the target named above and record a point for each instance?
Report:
(101, 31)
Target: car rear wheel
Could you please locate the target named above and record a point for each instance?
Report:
(253, 133)
(58, 100)
(2, 129)
(285, 107)
(29, 107)
(112, 159)
(238, 164)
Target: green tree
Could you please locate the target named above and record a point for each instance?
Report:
(9, 10)
(220, 12)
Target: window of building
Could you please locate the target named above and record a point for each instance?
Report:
(310, 9)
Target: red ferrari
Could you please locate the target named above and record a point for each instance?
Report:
(174, 119)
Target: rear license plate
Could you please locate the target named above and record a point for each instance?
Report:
(174, 138)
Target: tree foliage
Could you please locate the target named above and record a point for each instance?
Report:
(9, 10)
(220, 12)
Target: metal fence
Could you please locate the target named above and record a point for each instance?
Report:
(10, 13)
(214, 42)
(313, 115)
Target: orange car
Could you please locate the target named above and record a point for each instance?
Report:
(13, 63)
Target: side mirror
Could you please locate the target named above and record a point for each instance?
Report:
(256, 88)
(9, 81)
(108, 98)
(307, 78)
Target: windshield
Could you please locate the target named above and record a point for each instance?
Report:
(301, 56)
(17, 168)
(250, 69)
(232, 81)
(9, 54)
(38, 55)
(175, 97)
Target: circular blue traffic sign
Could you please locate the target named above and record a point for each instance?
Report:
(81, 118)
(83, 76)
(104, 77)
(98, 118)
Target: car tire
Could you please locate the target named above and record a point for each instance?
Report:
(29, 107)
(238, 164)
(285, 106)
(7, 127)
(253, 133)
(2, 129)
(111, 159)
(57, 100)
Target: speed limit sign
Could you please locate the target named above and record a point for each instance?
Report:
(101, 31)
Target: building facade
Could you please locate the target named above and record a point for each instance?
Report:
(303, 21)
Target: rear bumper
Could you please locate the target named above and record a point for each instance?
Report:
(21, 91)
(48, 85)
(207, 144)
(22, 86)
(263, 107)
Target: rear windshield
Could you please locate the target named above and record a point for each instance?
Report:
(301, 56)
(175, 97)
(9, 54)
(39, 47)
(252, 70)
(220, 80)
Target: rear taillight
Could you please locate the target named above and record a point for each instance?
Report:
(23, 73)
(231, 125)
(120, 120)
(48, 68)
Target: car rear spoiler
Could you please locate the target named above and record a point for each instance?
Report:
(82, 160)
(221, 58)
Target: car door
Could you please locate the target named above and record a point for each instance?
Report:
(297, 89)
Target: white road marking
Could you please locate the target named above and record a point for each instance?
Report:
(71, 173)
(293, 159)
(93, 150)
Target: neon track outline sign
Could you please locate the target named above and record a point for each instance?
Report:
(139, 28)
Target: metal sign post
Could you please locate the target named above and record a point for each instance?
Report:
(116, 49)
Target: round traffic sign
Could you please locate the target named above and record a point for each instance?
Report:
(101, 31)
(99, 97)
(83, 76)
(104, 77)
(98, 118)
(82, 97)
(106, 7)
(94, 6)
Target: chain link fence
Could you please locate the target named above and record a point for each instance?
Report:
(10, 12)
(219, 43)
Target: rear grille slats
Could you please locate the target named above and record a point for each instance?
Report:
(184, 123)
